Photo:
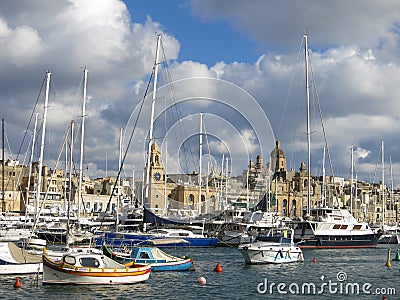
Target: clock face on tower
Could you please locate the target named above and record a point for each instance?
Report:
(157, 176)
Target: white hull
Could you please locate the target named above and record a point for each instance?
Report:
(14, 260)
(268, 253)
(232, 237)
(389, 238)
(21, 269)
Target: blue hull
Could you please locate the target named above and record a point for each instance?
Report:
(181, 267)
(145, 255)
(127, 239)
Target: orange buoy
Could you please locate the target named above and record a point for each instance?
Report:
(17, 283)
(218, 268)
(314, 260)
(201, 280)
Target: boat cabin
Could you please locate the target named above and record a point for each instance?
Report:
(88, 261)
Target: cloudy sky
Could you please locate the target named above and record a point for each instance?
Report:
(242, 66)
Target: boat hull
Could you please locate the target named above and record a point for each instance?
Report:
(20, 268)
(259, 254)
(165, 262)
(331, 242)
(389, 239)
(127, 239)
(66, 275)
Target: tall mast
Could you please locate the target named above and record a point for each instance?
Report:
(269, 185)
(247, 190)
(65, 180)
(207, 188)
(352, 176)
(119, 204)
(39, 182)
(70, 176)
(156, 63)
(85, 72)
(391, 182)
(3, 201)
(308, 129)
(226, 181)
(133, 186)
(222, 186)
(323, 180)
(165, 179)
(383, 187)
(200, 155)
(31, 161)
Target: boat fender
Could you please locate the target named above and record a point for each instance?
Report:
(300, 257)
(201, 280)
(279, 253)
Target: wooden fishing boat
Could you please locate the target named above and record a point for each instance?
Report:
(159, 260)
(90, 268)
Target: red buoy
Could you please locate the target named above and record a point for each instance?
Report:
(314, 260)
(218, 268)
(17, 283)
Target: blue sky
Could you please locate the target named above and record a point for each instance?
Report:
(202, 41)
(251, 53)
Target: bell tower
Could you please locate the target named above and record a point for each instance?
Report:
(278, 159)
(157, 178)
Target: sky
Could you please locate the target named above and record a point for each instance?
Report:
(239, 63)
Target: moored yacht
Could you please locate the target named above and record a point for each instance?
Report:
(276, 247)
(333, 228)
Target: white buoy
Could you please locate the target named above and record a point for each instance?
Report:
(201, 280)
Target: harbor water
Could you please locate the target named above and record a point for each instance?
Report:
(324, 274)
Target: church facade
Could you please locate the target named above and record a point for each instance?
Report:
(178, 191)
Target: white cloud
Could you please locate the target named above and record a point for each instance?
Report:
(355, 64)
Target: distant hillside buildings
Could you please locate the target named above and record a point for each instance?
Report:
(279, 189)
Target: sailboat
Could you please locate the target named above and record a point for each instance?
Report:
(20, 260)
(71, 234)
(329, 227)
(390, 234)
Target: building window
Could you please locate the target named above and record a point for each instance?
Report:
(191, 198)
(284, 207)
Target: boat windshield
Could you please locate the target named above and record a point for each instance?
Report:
(89, 262)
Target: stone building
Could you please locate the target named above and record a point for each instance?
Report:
(177, 191)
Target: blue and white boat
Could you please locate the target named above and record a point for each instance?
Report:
(158, 259)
